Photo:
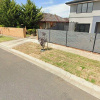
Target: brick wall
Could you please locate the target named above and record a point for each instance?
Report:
(16, 32)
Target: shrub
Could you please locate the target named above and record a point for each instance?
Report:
(29, 31)
(18, 26)
(1, 25)
(32, 31)
(43, 40)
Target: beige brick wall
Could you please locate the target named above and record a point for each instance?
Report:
(16, 32)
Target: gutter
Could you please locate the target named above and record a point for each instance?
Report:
(77, 2)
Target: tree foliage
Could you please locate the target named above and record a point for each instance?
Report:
(12, 14)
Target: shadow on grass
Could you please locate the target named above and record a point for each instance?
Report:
(48, 49)
(1, 36)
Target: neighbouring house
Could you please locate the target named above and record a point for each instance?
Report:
(51, 21)
(84, 16)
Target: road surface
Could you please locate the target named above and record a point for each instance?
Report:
(22, 80)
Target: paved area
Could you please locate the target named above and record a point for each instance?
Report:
(21, 80)
(10, 44)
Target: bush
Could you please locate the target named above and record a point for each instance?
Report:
(31, 31)
(34, 30)
(18, 26)
(1, 25)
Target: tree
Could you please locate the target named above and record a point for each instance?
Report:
(12, 14)
(9, 13)
(1, 1)
(43, 40)
(3, 11)
(31, 15)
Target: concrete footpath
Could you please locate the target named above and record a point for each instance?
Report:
(76, 81)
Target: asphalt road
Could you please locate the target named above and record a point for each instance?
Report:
(21, 80)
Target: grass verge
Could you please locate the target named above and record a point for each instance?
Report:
(28, 35)
(5, 38)
(75, 64)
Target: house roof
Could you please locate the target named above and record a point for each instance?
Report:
(47, 17)
(78, 1)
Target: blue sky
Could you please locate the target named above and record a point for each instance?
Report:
(52, 6)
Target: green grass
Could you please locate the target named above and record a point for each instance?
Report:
(75, 64)
(93, 80)
(28, 35)
(5, 38)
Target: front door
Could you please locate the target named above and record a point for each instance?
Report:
(97, 29)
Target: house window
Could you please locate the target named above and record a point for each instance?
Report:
(47, 25)
(90, 7)
(79, 8)
(85, 8)
(82, 27)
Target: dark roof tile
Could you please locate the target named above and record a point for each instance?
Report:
(53, 18)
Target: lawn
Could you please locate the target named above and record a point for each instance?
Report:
(28, 35)
(75, 64)
(5, 38)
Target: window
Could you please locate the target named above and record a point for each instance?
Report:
(82, 27)
(87, 27)
(90, 7)
(84, 8)
(79, 8)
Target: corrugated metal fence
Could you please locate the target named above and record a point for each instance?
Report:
(80, 40)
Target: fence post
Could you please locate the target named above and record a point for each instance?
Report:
(94, 42)
(66, 37)
(49, 35)
(38, 34)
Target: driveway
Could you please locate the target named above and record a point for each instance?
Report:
(22, 80)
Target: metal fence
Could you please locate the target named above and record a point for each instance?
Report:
(97, 44)
(80, 40)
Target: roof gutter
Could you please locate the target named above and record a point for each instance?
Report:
(77, 2)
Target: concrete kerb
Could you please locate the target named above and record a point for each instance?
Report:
(74, 80)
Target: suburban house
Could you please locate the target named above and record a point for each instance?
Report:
(84, 16)
(56, 22)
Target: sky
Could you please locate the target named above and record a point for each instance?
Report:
(57, 7)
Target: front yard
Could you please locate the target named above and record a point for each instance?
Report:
(5, 38)
(75, 64)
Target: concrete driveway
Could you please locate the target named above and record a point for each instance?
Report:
(21, 80)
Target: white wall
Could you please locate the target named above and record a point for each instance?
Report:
(86, 18)
(95, 19)
(95, 12)
(92, 21)
(82, 21)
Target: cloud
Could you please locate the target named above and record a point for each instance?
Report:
(62, 10)
(49, 2)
